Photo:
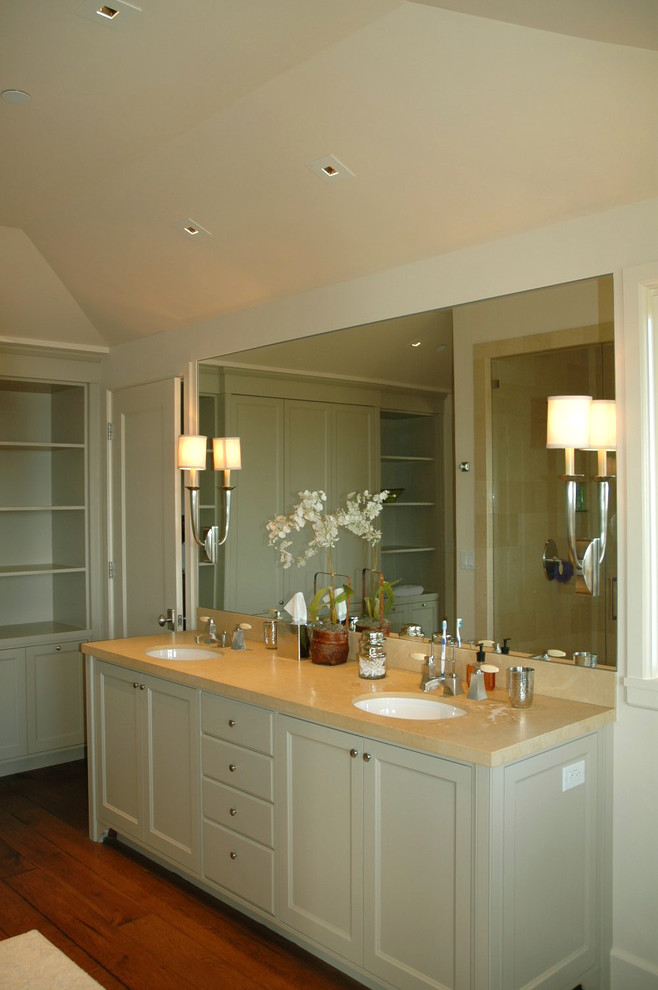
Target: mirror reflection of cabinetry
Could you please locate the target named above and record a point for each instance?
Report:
(301, 433)
(296, 434)
(412, 526)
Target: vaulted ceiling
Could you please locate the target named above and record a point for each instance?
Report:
(447, 128)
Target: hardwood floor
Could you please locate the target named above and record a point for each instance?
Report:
(127, 923)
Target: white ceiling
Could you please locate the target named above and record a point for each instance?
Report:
(458, 129)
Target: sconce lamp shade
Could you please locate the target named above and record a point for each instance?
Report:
(603, 425)
(567, 423)
(191, 453)
(226, 453)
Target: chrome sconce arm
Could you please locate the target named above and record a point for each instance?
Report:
(192, 458)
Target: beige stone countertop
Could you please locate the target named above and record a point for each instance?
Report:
(490, 734)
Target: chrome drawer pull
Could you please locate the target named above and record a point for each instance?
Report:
(232, 767)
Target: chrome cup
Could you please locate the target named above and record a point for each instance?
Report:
(520, 686)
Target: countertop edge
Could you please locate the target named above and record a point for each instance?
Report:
(129, 654)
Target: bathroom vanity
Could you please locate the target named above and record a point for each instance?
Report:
(468, 852)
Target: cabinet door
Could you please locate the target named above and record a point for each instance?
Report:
(55, 697)
(119, 749)
(417, 854)
(308, 450)
(147, 761)
(320, 821)
(172, 769)
(254, 577)
(424, 614)
(13, 725)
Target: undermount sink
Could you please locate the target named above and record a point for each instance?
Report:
(407, 706)
(182, 653)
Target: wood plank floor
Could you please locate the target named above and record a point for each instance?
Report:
(126, 922)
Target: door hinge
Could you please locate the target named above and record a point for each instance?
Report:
(110, 432)
(110, 570)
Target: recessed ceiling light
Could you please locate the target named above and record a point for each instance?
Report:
(330, 169)
(118, 13)
(191, 228)
(15, 96)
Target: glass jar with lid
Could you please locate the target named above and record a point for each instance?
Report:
(372, 655)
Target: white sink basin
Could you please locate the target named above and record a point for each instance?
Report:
(408, 706)
(182, 653)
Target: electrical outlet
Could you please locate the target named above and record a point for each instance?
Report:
(573, 775)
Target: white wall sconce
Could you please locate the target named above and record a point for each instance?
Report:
(578, 422)
(226, 458)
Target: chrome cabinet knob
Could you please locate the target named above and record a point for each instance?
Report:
(142, 686)
(232, 812)
(354, 753)
(233, 855)
(232, 767)
(135, 684)
(367, 757)
(232, 722)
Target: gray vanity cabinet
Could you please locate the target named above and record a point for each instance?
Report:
(547, 866)
(145, 761)
(426, 872)
(374, 855)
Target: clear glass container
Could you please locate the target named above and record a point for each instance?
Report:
(372, 655)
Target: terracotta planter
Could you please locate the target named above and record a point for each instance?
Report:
(329, 646)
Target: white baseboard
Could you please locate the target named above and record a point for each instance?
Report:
(628, 972)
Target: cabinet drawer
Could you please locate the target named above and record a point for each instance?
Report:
(236, 722)
(238, 811)
(239, 865)
(238, 767)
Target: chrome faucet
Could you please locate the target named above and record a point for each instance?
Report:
(430, 678)
(209, 637)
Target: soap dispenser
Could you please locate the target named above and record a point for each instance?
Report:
(477, 691)
(237, 642)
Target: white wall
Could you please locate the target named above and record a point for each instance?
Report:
(605, 243)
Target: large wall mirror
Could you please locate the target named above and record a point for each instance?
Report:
(397, 404)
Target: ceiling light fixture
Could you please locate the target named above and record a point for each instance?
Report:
(108, 13)
(191, 228)
(15, 96)
(330, 169)
(416, 343)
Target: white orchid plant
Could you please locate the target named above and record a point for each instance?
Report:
(356, 516)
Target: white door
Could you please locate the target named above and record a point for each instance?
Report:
(145, 510)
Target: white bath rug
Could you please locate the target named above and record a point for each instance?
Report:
(30, 962)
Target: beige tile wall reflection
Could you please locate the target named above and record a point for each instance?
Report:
(521, 495)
